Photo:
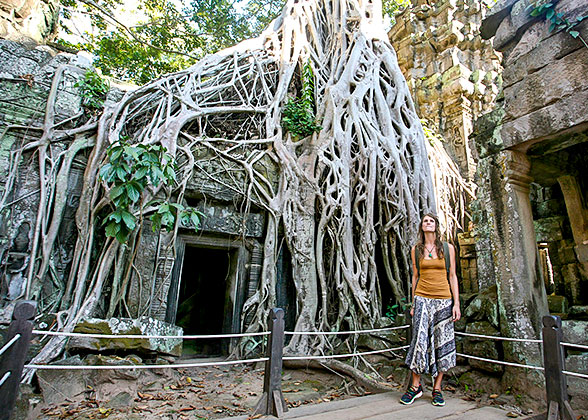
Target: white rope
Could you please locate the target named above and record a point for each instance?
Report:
(10, 343)
(185, 337)
(524, 340)
(5, 377)
(580, 346)
(500, 362)
(344, 332)
(119, 367)
(336, 356)
(579, 375)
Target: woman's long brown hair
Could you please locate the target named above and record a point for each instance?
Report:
(420, 245)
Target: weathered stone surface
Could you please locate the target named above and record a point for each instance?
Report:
(127, 326)
(573, 283)
(568, 113)
(544, 53)
(28, 20)
(484, 307)
(548, 229)
(72, 385)
(539, 89)
(575, 331)
(63, 385)
(497, 13)
(578, 387)
(453, 74)
(557, 304)
(578, 312)
(482, 347)
(222, 218)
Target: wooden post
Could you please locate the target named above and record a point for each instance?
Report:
(556, 388)
(14, 357)
(272, 400)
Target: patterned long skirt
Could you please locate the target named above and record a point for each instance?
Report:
(432, 349)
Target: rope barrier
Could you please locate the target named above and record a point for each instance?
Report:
(120, 367)
(580, 346)
(500, 362)
(10, 343)
(344, 332)
(169, 337)
(579, 375)
(524, 340)
(336, 356)
(5, 377)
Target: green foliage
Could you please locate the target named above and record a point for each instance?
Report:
(93, 90)
(298, 115)
(397, 309)
(129, 171)
(394, 7)
(558, 21)
(167, 38)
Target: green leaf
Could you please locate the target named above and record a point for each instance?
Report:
(133, 194)
(129, 220)
(112, 229)
(117, 191)
(575, 34)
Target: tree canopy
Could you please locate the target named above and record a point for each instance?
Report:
(169, 36)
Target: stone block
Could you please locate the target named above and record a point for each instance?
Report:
(582, 252)
(482, 347)
(575, 331)
(221, 218)
(562, 115)
(578, 387)
(572, 283)
(550, 208)
(557, 304)
(557, 45)
(566, 254)
(578, 312)
(548, 229)
(484, 307)
(127, 326)
(538, 89)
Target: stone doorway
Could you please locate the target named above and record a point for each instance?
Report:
(206, 294)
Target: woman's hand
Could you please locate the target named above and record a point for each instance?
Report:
(456, 313)
(412, 311)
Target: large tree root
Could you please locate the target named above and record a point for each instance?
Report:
(369, 384)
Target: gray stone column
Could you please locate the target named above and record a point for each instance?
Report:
(522, 300)
(578, 215)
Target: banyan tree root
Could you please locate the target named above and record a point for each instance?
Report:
(345, 201)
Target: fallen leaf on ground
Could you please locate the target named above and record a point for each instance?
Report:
(493, 396)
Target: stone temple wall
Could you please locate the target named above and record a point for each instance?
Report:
(453, 74)
(455, 77)
(533, 174)
(28, 21)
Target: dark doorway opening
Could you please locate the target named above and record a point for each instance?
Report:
(203, 299)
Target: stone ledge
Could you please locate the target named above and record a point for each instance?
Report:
(127, 326)
(568, 114)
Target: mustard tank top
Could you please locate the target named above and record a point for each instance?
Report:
(433, 282)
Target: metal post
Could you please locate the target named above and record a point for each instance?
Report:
(13, 359)
(272, 400)
(558, 404)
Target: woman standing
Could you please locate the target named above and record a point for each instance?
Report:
(434, 283)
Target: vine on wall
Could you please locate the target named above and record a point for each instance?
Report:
(558, 21)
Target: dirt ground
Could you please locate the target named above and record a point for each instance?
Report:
(224, 391)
